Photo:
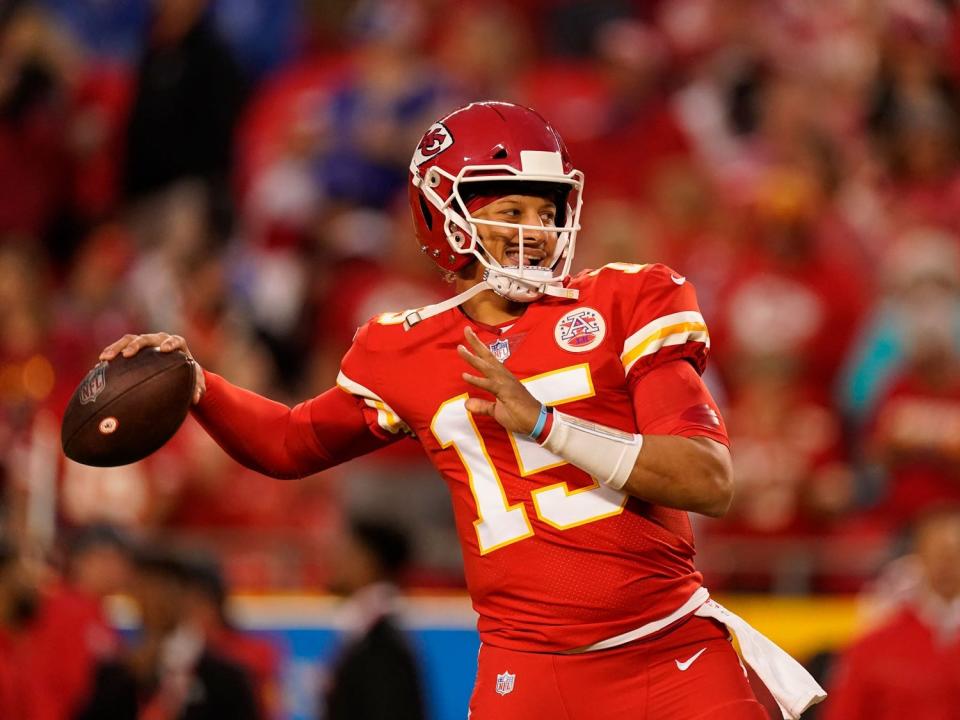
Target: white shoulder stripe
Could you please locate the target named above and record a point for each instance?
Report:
(387, 418)
(673, 329)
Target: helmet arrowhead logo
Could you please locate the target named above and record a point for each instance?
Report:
(434, 141)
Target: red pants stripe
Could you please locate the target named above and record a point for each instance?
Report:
(689, 672)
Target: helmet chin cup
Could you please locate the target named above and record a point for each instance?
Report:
(522, 291)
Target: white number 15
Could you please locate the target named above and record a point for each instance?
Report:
(500, 523)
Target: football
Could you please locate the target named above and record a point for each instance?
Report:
(127, 408)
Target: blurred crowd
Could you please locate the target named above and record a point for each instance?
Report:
(235, 171)
(64, 659)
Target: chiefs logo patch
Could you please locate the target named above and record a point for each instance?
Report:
(580, 330)
(434, 141)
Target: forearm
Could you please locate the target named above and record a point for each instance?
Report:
(691, 474)
(284, 442)
(671, 470)
(257, 432)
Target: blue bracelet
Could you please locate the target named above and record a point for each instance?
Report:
(541, 421)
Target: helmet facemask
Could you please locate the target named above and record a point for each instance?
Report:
(522, 282)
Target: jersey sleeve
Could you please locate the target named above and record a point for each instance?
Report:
(672, 399)
(271, 438)
(661, 321)
(664, 352)
(359, 378)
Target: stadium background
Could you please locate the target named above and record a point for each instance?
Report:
(234, 172)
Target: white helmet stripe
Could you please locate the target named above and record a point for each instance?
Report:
(538, 162)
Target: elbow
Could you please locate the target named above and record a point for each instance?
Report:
(718, 478)
(720, 498)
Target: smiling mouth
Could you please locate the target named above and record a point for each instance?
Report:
(529, 260)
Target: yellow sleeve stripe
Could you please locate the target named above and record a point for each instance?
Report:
(386, 417)
(674, 329)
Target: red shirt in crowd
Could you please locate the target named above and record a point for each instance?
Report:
(917, 433)
(70, 636)
(902, 669)
(23, 690)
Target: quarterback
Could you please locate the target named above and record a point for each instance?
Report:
(568, 418)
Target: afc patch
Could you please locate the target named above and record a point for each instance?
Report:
(93, 384)
(505, 683)
(580, 330)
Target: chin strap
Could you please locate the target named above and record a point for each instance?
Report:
(560, 292)
(415, 316)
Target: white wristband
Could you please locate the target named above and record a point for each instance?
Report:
(606, 453)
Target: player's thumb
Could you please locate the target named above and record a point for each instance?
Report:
(480, 407)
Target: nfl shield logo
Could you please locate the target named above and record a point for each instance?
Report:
(93, 384)
(501, 350)
(505, 683)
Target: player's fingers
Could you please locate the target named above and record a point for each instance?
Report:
(477, 345)
(143, 341)
(200, 385)
(174, 342)
(474, 361)
(480, 407)
(111, 350)
(481, 382)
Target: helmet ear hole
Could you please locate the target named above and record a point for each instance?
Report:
(425, 209)
(459, 239)
(433, 178)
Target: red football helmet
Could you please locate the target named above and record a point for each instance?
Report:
(502, 143)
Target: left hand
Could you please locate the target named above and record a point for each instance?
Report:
(514, 408)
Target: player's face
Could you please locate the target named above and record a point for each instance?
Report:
(503, 242)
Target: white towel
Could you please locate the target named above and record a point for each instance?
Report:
(791, 685)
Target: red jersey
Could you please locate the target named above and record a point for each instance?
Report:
(554, 560)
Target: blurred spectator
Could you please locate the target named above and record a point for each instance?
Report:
(915, 115)
(207, 609)
(915, 431)
(794, 292)
(919, 262)
(263, 34)
(111, 29)
(34, 65)
(170, 673)
(72, 624)
(23, 694)
(189, 92)
(389, 93)
(27, 376)
(615, 110)
(792, 478)
(375, 675)
(909, 665)
(572, 25)
(485, 46)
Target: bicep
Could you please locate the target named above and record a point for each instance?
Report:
(672, 399)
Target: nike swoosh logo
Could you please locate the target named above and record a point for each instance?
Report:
(682, 666)
(678, 279)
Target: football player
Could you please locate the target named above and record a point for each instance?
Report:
(568, 418)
